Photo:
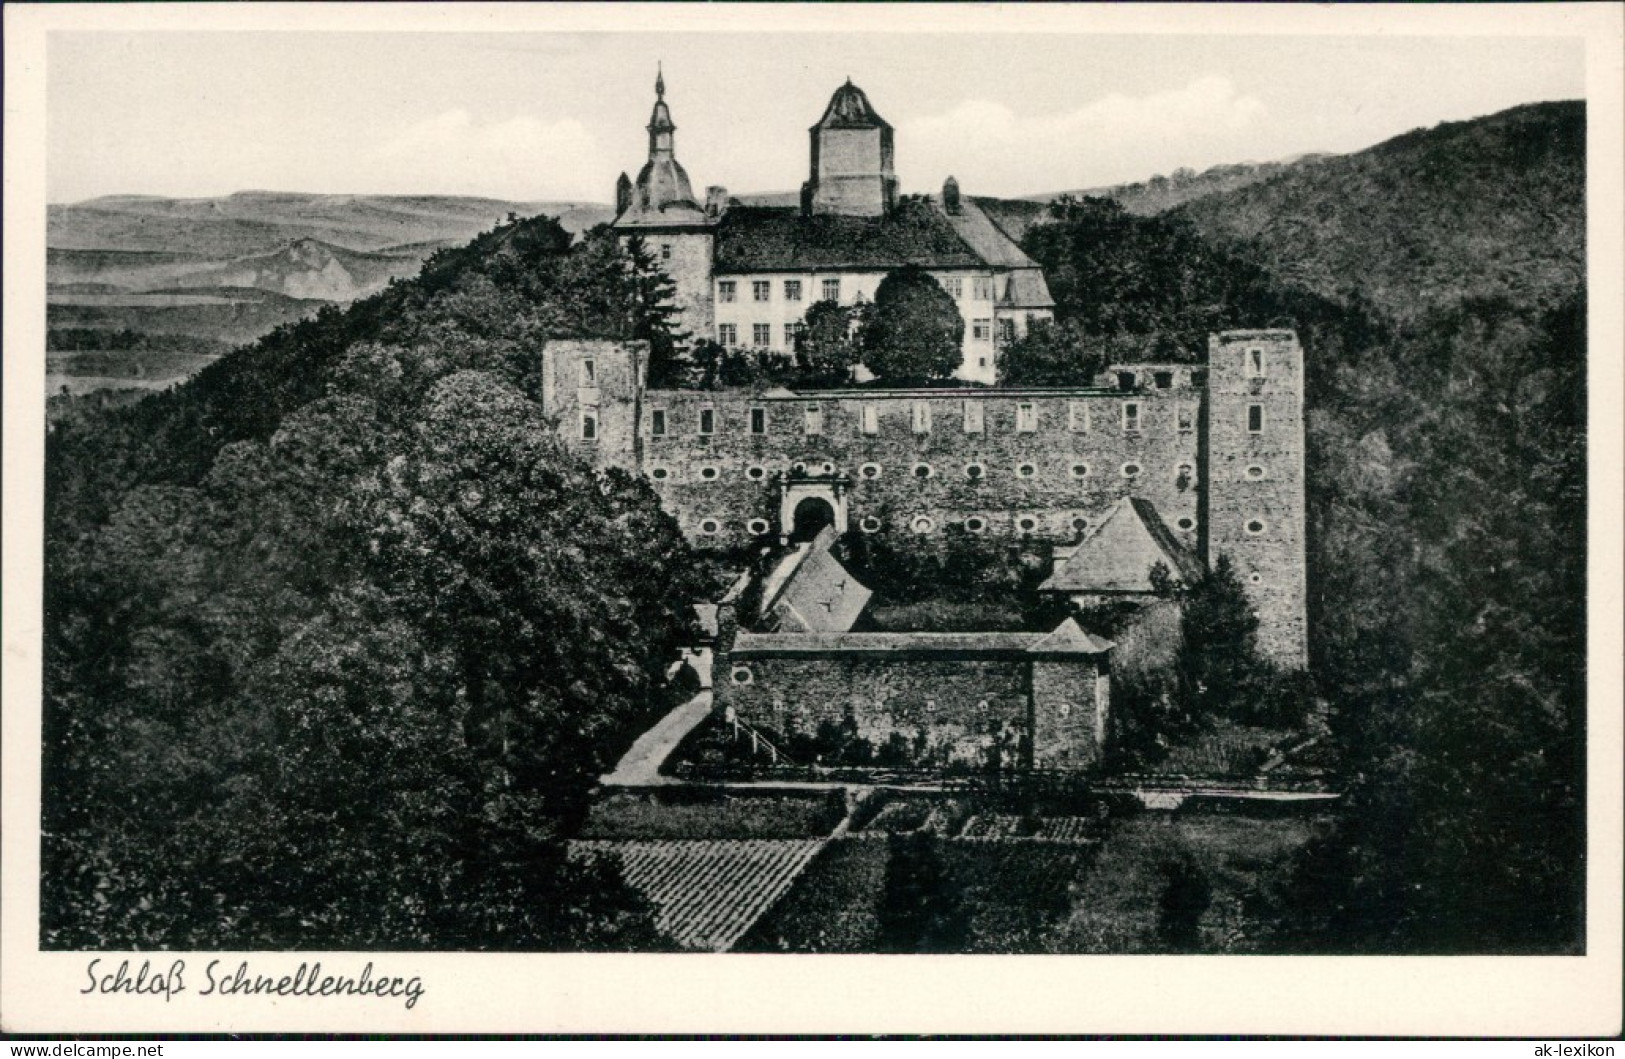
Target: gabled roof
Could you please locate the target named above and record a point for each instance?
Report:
(772, 239)
(1026, 290)
(1069, 638)
(810, 591)
(984, 237)
(1118, 553)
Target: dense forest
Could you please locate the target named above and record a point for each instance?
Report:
(337, 637)
(1447, 519)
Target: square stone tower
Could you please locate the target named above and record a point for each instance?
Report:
(852, 168)
(1253, 454)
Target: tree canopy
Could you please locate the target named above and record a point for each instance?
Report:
(342, 671)
(915, 332)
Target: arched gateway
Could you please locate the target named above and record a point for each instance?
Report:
(809, 502)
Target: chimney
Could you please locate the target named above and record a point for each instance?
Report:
(950, 195)
(716, 202)
(623, 195)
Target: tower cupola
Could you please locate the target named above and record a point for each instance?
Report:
(851, 170)
(662, 183)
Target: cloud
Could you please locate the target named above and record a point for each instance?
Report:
(992, 149)
(520, 157)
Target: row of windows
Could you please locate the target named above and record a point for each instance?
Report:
(761, 290)
(923, 524)
(974, 421)
(1184, 471)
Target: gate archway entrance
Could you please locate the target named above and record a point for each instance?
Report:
(811, 516)
(808, 503)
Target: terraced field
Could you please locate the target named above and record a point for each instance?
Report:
(707, 892)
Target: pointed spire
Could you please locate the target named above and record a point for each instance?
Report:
(660, 82)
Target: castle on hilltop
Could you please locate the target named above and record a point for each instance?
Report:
(746, 275)
(1170, 464)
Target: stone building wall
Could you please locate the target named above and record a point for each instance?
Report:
(1057, 476)
(1071, 702)
(960, 705)
(687, 256)
(1255, 494)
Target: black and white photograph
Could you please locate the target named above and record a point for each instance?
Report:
(941, 483)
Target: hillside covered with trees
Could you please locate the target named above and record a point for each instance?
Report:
(338, 638)
(1447, 506)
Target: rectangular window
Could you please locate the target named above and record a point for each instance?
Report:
(792, 290)
(761, 335)
(1255, 362)
(981, 329)
(1198, 377)
(815, 419)
(955, 286)
(922, 417)
(761, 290)
(832, 290)
(790, 333)
(1077, 417)
(665, 251)
(727, 290)
(1185, 414)
(1007, 331)
(1255, 419)
(589, 426)
(758, 421)
(981, 288)
(973, 417)
(1131, 417)
(1163, 379)
(871, 419)
(708, 421)
(657, 422)
(1026, 417)
(1125, 380)
(728, 334)
(589, 373)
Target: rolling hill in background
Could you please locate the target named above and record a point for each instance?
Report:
(226, 270)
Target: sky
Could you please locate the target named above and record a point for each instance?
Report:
(556, 116)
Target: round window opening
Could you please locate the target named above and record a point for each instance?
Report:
(975, 525)
(869, 524)
(923, 525)
(1256, 579)
(742, 675)
(973, 471)
(1027, 525)
(709, 526)
(1131, 470)
(660, 474)
(922, 470)
(800, 468)
(1026, 470)
(1255, 472)
(758, 526)
(870, 470)
(1255, 527)
(1080, 470)
(756, 474)
(1080, 524)
(1186, 524)
(829, 468)
(708, 473)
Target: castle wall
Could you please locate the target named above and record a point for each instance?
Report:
(1074, 474)
(1070, 705)
(1255, 495)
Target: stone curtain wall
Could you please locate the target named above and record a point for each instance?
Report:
(709, 478)
(1255, 495)
(943, 698)
(1071, 700)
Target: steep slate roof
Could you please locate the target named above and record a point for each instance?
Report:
(768, 239)
(849, 108)
(984, 237)
(1027, 290)
(1118, 554)
(812, 592)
